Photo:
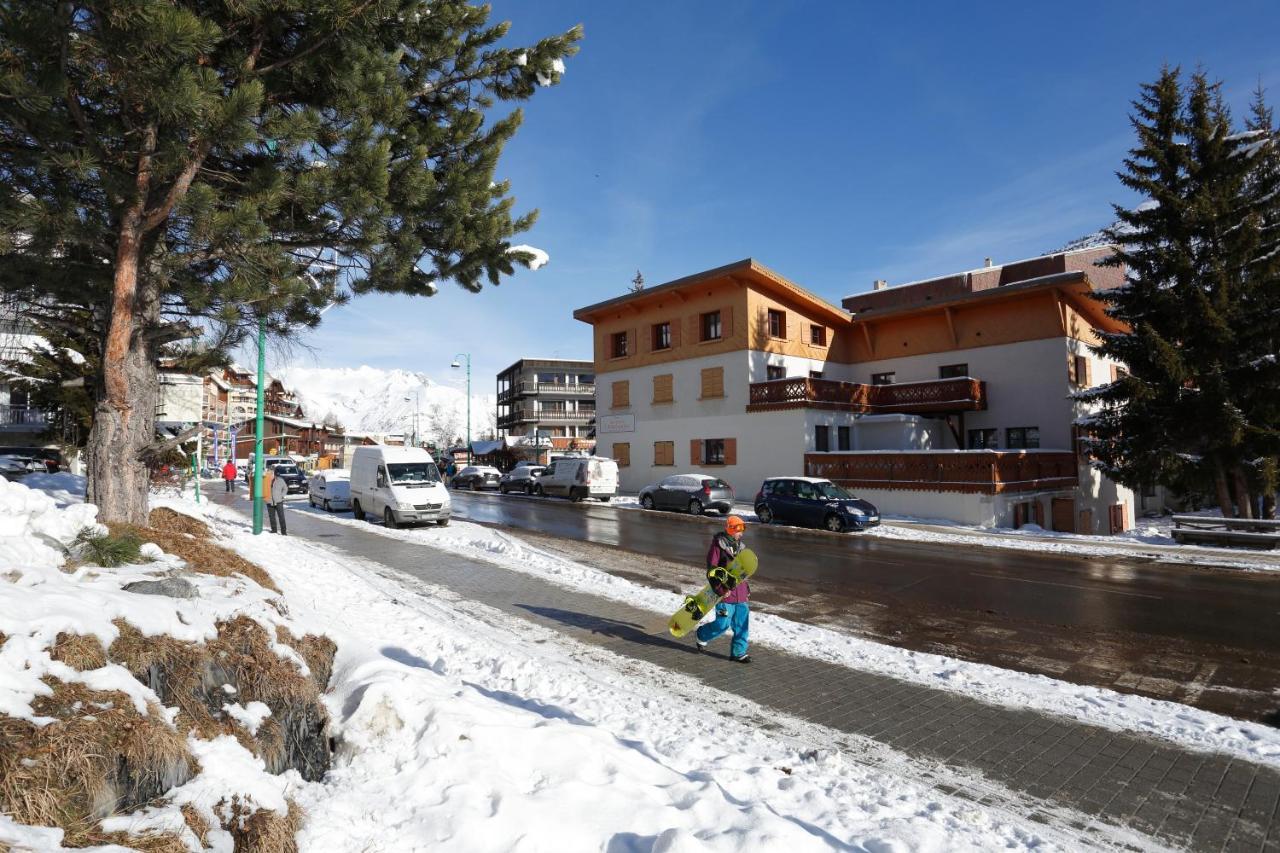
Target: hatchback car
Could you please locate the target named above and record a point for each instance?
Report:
(812, 502)
(330, 489)
(521, 479)
(475, 477)
(691, 493)
(292, 476)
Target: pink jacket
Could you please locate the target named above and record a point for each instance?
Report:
(723, 549)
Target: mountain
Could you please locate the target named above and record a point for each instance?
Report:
(368, 399)
(1099, 238)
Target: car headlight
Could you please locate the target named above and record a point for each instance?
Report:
(404, 506)
(854, 511)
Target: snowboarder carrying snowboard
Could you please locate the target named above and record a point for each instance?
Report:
(732, 612)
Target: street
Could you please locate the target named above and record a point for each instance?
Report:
(1204, 637)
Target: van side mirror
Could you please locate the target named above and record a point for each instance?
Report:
(382, 477)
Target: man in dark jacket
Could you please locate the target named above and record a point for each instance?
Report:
(733, 612)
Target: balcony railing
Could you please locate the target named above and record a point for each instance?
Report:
(987, 472)
(23, 416)
(520, 389)
(940, 395)
(520, 414)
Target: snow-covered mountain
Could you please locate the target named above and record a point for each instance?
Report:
(368, 399)
(1099, 238)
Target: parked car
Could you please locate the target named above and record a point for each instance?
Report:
(692, 493)
(398, 484)
(477, 477)
(48, 460)
(14, 467)
(330, 488)
(521, 479)
(579, 478)
(268, 462)
(292, 476)
(812, 502)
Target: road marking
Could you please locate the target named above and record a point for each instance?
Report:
(1201, 681)
(1069, 586)
(914, 582)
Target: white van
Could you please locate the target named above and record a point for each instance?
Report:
(330, 488)
(579, 478)
(400, 485)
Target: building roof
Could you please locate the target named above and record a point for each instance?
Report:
(747, 269)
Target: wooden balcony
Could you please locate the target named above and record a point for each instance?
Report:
(987, 472)
(941, 396)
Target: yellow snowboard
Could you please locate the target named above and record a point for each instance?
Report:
(695, 607)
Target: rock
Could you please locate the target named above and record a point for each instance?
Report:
(172, 587)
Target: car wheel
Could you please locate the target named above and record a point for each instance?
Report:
(575, 495)
(834, 523)
(605, 499)
(472, 485)
(326, 505)
(443, 522)
(389, 519)
(696, 507)
(647, 501)
(357, 510)
(539, 491)
(724, 510)
(311, 502)
(764, 514)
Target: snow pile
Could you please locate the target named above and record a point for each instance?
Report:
(367, 399)
(540, 257)
(63, 487)
(463, 728)
(1189, 727)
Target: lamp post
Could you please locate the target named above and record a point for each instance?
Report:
(417, 406)
(259, 426)
(457, 364)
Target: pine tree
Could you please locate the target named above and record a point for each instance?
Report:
(183, 167)
(637, 283)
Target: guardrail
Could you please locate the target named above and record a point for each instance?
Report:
(941, 395)
(988, 472)
(1261, 533)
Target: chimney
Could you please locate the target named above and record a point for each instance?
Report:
(986, 262)
(880, 284)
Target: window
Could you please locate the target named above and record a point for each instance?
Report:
(815, 374)
(882, 378)
(711, 326)
(664, 453)
(777, 324)
(712, 383)
(821, 439)
(842, 438)
(621, 455)
(713, 451)
(618, 348)
(1078, 370)
(661, 336)
(662, 392)
(953, 371)
(1022, 438)
(818, 336)
(775, 371)
(621, 394)
(983, 439)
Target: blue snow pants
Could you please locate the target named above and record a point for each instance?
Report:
(735, 617)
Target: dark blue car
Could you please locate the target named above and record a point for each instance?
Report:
(811, 502)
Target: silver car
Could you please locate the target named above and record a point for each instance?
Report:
(691, 493)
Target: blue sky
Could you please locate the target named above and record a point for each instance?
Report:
(836, 142)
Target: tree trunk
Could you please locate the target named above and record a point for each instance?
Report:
(1224, 493)
(1244, 499)
(1269, 505)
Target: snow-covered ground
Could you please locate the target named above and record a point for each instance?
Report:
(462, 728)
(1189, 727)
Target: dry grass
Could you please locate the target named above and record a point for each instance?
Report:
(81, 652)
(266, 831)
(171, 521)
(98, 757)
(201, 555)
(316, 649)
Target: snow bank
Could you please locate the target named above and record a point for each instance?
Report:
(540, 257)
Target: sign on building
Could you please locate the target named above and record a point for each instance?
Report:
(607, 424)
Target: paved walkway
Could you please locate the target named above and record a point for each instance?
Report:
(1192, 800)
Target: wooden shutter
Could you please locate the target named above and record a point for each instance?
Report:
(622, 454)
(1081, 371)
(664, 453)
(1116, 512)
(1115, 373)
(712, 382)
(1086, 372)
(693, 325)
(695, 451)
(1086, 522)
(1038, 507)
(646, 345)
(675, 331)
(726, 322)
(662, 390)
(731, 451)
(621, 394)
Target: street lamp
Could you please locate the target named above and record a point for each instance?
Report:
(457, 364)
(417, 406)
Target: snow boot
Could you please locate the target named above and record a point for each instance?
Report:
(744, 659)
(700, 646)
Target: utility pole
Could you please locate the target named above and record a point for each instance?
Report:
(457, 364)
(260, 425)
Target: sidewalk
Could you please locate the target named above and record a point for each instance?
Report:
(1187, 799)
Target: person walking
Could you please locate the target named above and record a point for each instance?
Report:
(229, 475)
(732, 613)
(275, 490)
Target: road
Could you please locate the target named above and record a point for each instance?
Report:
(1202, 636)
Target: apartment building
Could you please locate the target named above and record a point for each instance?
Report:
(547, 398)
(947, 398)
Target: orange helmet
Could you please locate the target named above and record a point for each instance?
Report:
(734, 525)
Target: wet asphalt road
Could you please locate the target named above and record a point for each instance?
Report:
(1203, 636)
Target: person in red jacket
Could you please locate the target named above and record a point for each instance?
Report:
(732, 613)
(229, 475)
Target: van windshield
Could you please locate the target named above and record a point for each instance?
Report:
(413, 472)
